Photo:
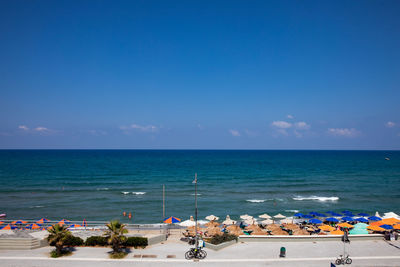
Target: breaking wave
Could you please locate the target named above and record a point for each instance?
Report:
(323, 199)
(256, 200)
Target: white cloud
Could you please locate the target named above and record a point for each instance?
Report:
(23, 127)
(41, 129)
(290, 116)
(281, 124)
(346, 132)
(301, 125)
(235, 133)
(142, 128)
(390, 124)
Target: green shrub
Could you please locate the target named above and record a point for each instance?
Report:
(55, 254)
(136, 241)
(73, 241)
(219, 239)
(118, 255)
(96, 241)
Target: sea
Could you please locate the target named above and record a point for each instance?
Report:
(99, 185)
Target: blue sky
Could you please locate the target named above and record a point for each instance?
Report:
(200, 74)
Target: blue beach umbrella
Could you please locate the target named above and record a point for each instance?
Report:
(307, 216)
(374, 218)
(315, 221)
(348, 219)
(349, 214)
(314, 213)
(363, 214)
(331, 219)
(298, 214)
(361, 219)
(321, 215)
(386, 226)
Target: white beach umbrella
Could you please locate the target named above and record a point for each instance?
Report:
(250, 221)
(191, 218)
(267, 221)
(201, 222)
(287, 220)
(265, 216)
(391, 215)
(228, 220)
(187, 223)
(279, 216)
(377, 214)
(212, 218)
(245, 216)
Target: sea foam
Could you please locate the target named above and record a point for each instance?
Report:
(317, 198)
(138, 193)
(256, 200)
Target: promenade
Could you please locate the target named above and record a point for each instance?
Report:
(363, 253)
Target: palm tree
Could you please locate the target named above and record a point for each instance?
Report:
(57, 236)
(115, 234)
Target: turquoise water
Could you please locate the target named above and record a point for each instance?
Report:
(101, 184)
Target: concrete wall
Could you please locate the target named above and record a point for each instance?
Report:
(155, 239)
(19, 243)
(220, 246)
(299, 238)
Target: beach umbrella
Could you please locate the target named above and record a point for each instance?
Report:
(171, 220)
(397, 226)
(187, 223)
(298, 214)
(287, 221)
(212, 223)
(345, 225)
(245, 216)
(307, 216)
(279, 216)
(74, 226)
(1, 222)
(361, 219)
(250, 221)
(43, 220)
(265, 216)
(363, 214)
(313, 213)
(375, 228)
(212, 218)
(337, 232)
(8, 227)
(315, 221)
(374, 218)
(84, 223)
(64, 221)
(331, 219)
(33, 226)
(360, 225)
(377, 223)
(321, 215)
(335, 214)
(348, 219)
(390, 221)
(349, 214)
(386, 226)
(377, 214)
(391, 215)
(358, 231)
(327, 228)
(228, 220)
(19, 222)
(267, 221)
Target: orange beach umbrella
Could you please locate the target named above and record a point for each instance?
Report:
(397, 227)
(43, 220)
(390, 221)
(337, 232)
(376, 228)
(326, 227)
(64, 221)
(172, 220)
(345, 225)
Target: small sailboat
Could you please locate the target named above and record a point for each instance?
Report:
(387, 158)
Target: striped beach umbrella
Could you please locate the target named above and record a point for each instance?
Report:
(19, 222)
(84, 223)
(33, 226)
(64, 221)
(171, 220)
(8, 227)
(74, 226)
(43, 220)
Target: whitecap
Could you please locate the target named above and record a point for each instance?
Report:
(292, 210)
(125, 193)
(37, 206)
(256, 200)
(138, 193)
(323, 199)
(197, 194)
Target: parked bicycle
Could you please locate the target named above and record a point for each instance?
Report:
(194, 253)
(342, 260)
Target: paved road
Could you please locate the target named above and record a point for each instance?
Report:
(364, 253)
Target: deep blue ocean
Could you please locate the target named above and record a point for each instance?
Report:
(101, 184)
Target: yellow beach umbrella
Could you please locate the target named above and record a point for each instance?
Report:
(397, 226)
(390, 221)
(376, 228)
(345, 225)
(337, 232)
(327, 228)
